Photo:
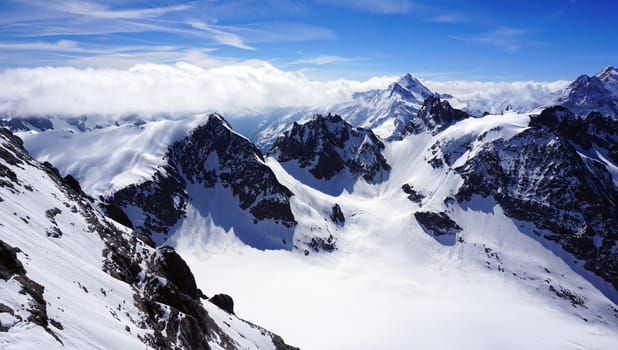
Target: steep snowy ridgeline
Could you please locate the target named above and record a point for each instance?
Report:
(110, 158)
(395, 284)
(212, 172)
(327, 153)
(69, 278)
(385, 112)
(598, 93)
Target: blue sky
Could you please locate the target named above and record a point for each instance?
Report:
(487, 40)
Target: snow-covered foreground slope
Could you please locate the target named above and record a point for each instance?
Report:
(71, 278)
(392, 284)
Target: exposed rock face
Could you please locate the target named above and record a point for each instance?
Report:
(224, 301)
(162, 200)
(326, 146)
(437, 223)
(542, 175)
(434, 116)
(413, 195)
(337, 215)
(212, 155)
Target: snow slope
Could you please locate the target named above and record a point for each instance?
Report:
(68, 279)
(108, 158)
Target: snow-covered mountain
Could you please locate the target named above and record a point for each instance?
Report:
(211, 166)
(71, 278)
(597, 93)
(385, 111)
(383, 226)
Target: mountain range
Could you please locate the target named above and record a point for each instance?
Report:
(433, 216)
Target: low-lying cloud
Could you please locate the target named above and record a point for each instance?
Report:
(180, 88)
(493, 97)
(236, 88)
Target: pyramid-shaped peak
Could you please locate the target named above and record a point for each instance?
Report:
(410, 82)
(608, 73)
(407, 85)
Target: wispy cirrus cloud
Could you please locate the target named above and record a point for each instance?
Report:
(220, 35)
(86, 27)
(508, 39)
(94, 9)
(375, 6)
(323, 59)
(448, 18)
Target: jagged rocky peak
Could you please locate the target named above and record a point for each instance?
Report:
(215, 153)
(213, 157)
(434, 116)
(542, 175)
(328, 146)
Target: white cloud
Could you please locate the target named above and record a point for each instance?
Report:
(323, 59)
(93, 9)
(60, 46)
(179, 88)
(507, 39)
(495, 96)
(375, 6)
(221, 36)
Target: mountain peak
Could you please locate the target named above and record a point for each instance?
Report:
(412, 84)
(608, 72)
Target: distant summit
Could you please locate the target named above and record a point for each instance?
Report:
(598, 93)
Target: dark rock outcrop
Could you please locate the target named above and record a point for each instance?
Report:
(434, 116)
(224, 302)
(337, 216)
(413, 195)
(438, 224)
(12, 268)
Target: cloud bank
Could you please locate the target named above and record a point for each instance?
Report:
(235, 88)
(493, 97)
